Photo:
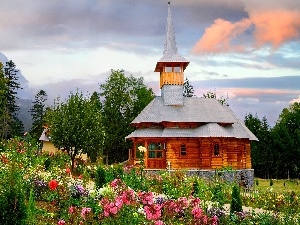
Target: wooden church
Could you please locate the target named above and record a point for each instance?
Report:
(187, 132)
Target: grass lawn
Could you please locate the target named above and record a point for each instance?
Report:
(278, 185)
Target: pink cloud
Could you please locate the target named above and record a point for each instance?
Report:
(274, 27)
(218, 36)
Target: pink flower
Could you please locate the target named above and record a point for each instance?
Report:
(85, 211)
(61, 222)
(113, 210)
(197, 212)
(153, 212)
(146, 198)
(71, 209)
(158, 222)
(214, 220)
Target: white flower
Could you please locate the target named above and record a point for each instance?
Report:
(142, 149)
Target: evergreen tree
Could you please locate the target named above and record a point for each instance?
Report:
(262, 154)
(236, 202)
(37, 113)
(4, 116)
(13, 126)
(188, 89)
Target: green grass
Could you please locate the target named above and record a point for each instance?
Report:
(278, 185)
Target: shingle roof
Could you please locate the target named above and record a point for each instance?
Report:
(207, 111)
(170, 53)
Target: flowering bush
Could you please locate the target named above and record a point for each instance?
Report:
(127, 196)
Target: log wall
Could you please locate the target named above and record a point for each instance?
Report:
(233, 152)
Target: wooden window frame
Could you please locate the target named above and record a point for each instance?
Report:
(183, 151)
(216, 150)
(158, 152)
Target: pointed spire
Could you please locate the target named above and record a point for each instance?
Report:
(170, 47)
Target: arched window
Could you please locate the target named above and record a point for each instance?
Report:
(216, 150)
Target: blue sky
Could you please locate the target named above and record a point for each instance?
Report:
(246, 50)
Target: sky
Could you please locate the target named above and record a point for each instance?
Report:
(248, 51)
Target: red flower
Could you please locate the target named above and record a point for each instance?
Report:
(53, 184)
(80, 176)
(68, 171)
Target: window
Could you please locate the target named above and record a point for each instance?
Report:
(182, 150)
(155, 150)
(168, 69)
(176, 69)
(216, 150)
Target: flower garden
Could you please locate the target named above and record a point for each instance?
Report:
(40, 188)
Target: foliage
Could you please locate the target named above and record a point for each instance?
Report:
(61, 197)
(236, 202)
(286, 141)
(210, 94)
(188, 89)
(76, 126)
(124, 98)
(262, 153)
(11, 125)
(38, 111)
(12, 197)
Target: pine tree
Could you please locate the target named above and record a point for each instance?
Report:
(12, 125)
(4, 117)
(38, 112)
(188, 89)
(236, 202)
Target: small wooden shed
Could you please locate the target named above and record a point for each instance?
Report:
(187, 132)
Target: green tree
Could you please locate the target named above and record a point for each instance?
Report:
(188, 89)
(236, 202)
(286, 141)
(37, 111)
(261, 152)
(76, 126)
(12, 126)
(123, 99)
(4, 116)
(210, 94)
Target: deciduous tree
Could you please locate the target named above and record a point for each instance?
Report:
(123, 99)
(76, 126)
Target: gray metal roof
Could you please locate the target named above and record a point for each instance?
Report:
(207, 130)
(208, 111)
(44, 137)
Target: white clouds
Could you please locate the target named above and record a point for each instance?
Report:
(295, 100)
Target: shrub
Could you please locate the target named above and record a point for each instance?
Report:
(218, 194)
(100, 177)
(12, 198)
(236, 202)
(271, 182)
